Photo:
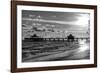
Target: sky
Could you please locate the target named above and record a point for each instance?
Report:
(58, 21)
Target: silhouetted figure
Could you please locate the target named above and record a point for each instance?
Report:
(70, 38)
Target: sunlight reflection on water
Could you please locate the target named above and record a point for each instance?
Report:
(83, 45)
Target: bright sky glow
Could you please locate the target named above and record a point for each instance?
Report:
(83, 20)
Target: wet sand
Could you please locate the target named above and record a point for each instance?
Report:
(55, 51)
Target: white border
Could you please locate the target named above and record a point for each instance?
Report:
(53, 63)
